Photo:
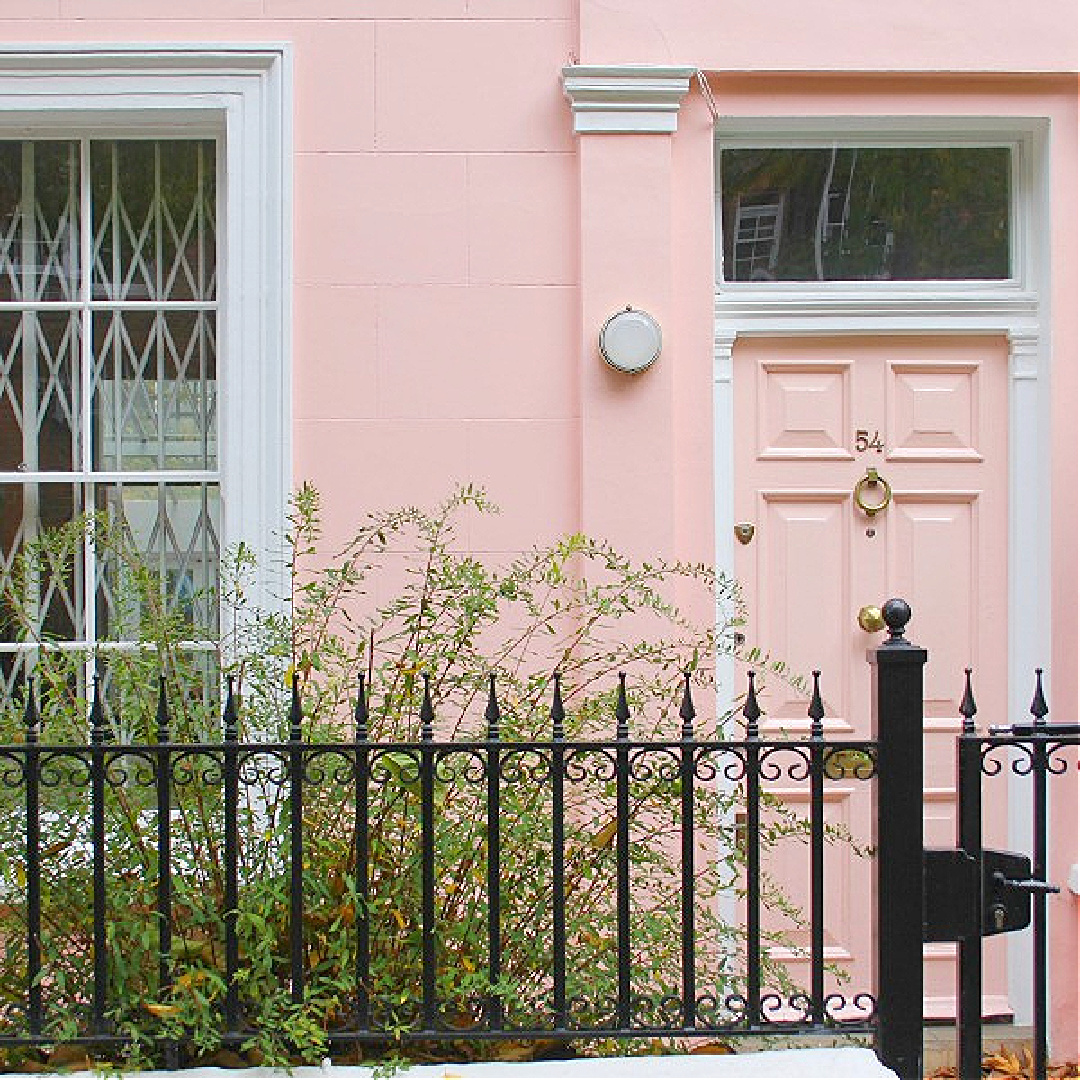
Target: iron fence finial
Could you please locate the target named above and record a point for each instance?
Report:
(622, 710)
(99, 725)
(296, 711)
(897, 614)
(360, 713)
(751, 710)
(162, 717)
(229, 720)
(30, 713)
(967, 704)
(491, 713)
(686, 709)
(427, 712)
(557, 713)
(816, 712)
(1039, 708)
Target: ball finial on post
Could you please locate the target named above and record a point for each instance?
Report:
(897, 614)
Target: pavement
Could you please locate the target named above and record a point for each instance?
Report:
(846, 1063)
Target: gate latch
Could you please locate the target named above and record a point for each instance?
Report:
(951, 894)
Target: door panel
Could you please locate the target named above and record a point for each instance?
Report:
(933, 412)
(804, 412)
(929, 413)
(793, 526)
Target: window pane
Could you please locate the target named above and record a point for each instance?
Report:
(155, 399)
(153, 220)
(172, 530)
(149, 370)
(39, 390)
(40, 569)
(857, 214)
(39, 239)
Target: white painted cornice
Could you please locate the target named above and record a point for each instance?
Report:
(896, 307)
(627, 99)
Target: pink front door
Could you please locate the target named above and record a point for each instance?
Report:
(929, 415)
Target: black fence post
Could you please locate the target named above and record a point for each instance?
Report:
(897, 721)
(969, 839)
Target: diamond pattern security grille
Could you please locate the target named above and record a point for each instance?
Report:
(108, 381)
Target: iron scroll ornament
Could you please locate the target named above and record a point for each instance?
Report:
(872, 479)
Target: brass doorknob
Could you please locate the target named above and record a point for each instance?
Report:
(871, 619)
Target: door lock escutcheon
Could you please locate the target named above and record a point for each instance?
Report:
(744, 532)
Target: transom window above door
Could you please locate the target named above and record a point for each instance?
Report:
(108, 377)
(865, 213)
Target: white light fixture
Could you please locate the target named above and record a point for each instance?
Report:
(630, 340)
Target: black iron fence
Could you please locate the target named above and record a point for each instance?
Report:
(1008, 890)
(166, 896)
(388, 888)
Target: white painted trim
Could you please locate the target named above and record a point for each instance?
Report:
(626, 99)
(724, 488)
(1017, 308)
(240, 95)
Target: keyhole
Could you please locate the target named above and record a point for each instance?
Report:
(871, 532)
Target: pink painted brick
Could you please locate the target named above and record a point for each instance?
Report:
(475, 85)
(364, 465)
(522, 218)
(366, 219)
(476, 351)
(530, 469)
(143, 10)
(335, 83)
(334, 363)
(366, 9)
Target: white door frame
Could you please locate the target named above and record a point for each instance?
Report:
(1016, 308)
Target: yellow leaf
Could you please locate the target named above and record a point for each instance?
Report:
(514, 1052)
(605, 835)
(163, 1012)
(398, 918)
(468, 965)
(713, 1048)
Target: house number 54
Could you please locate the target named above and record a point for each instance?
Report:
(865, 440)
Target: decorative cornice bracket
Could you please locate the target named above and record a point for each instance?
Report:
(626, 99)
(1023, 354)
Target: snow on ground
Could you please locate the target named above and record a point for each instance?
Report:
(830, 1064)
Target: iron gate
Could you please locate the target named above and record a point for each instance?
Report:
(972, 891)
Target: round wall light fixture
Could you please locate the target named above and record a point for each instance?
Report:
(630, 340)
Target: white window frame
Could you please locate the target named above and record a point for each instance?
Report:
(1016, 295)
(239, 96)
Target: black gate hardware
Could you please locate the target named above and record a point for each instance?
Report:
(1043, 731)
(1007, 890)
(949, 891)
(951, 909)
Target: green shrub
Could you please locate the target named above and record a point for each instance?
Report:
(577, 606)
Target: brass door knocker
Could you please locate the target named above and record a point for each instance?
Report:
(871, 479)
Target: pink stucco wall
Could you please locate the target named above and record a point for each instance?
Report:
(843, 35)
(456, 247)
